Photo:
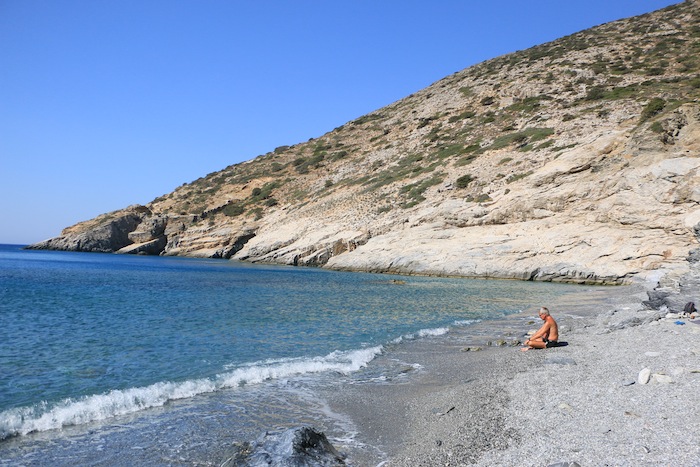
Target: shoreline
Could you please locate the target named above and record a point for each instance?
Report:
(579, 403)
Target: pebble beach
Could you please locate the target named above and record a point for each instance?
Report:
(621, 392)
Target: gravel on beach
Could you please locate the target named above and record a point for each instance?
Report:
(583, 403)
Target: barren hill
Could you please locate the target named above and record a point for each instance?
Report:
(576, 160)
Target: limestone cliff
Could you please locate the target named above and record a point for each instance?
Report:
(577, 160)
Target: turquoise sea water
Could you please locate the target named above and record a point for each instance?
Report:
(88, 339)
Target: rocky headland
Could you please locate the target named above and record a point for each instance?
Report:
(577, 160)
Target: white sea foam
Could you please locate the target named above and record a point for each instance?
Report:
(43, 417)
(420, 334)
(341, 362)
(467, 322)
(433, 332)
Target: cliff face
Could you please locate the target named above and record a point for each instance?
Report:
(577, 160)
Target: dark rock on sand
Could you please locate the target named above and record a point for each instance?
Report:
(296, 447)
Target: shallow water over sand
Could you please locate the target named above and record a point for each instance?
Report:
(122, 360)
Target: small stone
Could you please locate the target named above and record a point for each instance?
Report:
(566, 407)
(663, 379)
(652, 354)
(644, 376)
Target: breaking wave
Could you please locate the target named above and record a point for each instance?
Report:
(45, 416)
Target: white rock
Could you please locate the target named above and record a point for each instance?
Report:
(663, 379)
(565, 407)
(644, 376)
(652, 354)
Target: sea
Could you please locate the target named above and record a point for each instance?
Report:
(112, 359)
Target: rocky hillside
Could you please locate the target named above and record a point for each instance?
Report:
(576, 160)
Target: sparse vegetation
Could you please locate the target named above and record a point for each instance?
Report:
(414, 191)
(464, 181)
(502, 118)
(233, 209)
(521, 138)
(516, 177)
(653, 108)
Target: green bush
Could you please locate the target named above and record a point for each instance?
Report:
(464, 115)
(595, 93)
(464, 181)
(259, 194)
(466, 160)
(657, 127)
(233, 210)
(489, 117)
(653, 108)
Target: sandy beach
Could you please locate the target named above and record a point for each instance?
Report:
(582, 403)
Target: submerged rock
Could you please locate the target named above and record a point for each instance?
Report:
(296, 447)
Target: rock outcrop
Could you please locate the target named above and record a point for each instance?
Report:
(577, 160)
(296, 447)
(104, 234)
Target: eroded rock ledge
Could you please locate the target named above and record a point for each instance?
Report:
(547, 164)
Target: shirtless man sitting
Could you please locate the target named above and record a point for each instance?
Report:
(545, 337)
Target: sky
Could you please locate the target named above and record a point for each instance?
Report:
(105, 104)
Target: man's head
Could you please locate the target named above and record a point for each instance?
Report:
(544, 312)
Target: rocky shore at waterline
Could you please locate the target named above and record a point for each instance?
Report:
(584, 402)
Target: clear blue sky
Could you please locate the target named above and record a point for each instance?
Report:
(104, 104)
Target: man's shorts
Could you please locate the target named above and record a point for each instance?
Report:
(549, 344)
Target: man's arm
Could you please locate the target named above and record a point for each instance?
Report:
(542, 332)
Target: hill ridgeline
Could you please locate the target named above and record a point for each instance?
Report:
(577, 160)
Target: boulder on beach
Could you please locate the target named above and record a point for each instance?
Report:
(296, 447)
